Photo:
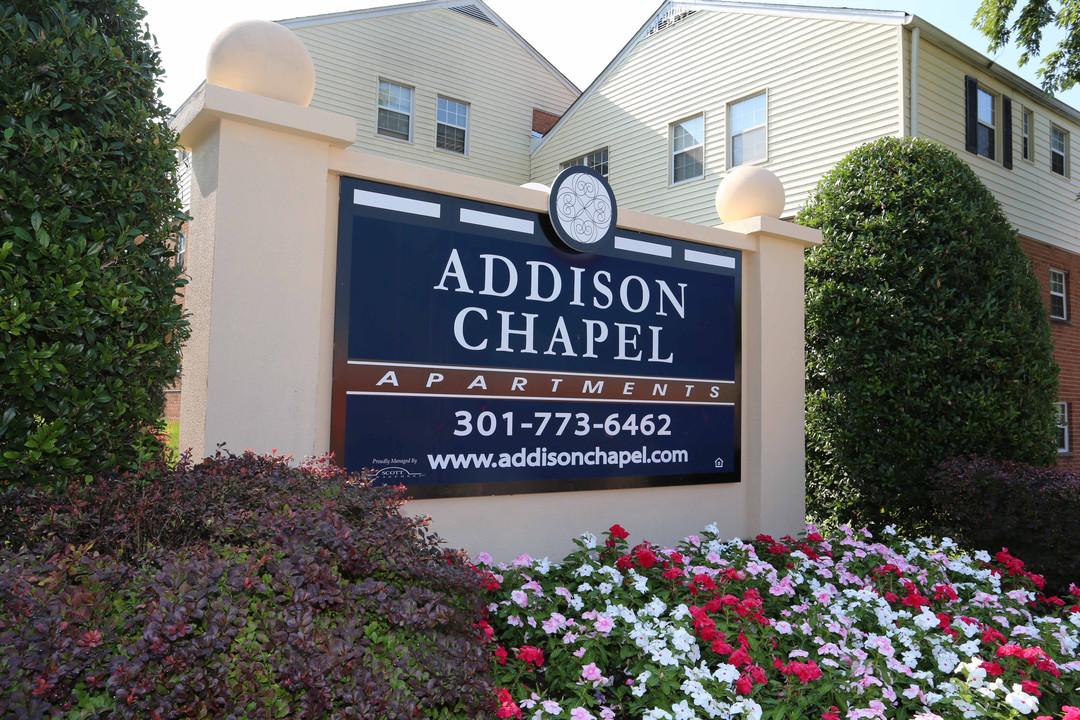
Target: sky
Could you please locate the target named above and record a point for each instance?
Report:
(579, 37)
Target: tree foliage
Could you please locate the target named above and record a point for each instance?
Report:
(89, 330)
(1061, 66)
(926, 335)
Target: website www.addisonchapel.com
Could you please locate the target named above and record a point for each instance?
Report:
(542, 457)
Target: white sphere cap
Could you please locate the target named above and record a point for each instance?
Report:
(262, 58)
(537, 186)
(749, 191)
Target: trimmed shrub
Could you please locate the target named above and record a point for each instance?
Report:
(926, 335)
(1032, 511)
(90, 333)
(238, 588)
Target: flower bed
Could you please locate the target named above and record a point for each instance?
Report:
(839, 628)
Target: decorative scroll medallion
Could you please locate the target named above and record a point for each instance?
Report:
(582, 208)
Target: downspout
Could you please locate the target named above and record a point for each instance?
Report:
(915, 81)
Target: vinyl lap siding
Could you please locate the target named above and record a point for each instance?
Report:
(437, 52)
(1040, 203)
(832, 85)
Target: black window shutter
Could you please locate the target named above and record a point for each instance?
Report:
(1006, 132)
(971, 86)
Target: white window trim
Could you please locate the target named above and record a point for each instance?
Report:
(1065, 159)
(1027, 133)
(1064, 294)
(411, 113)
(468, 117)
(671, 149)
(731, 135)
(1063, 414)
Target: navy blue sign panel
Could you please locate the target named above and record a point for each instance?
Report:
(476, 353)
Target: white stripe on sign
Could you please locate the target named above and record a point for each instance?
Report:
(397, 203)
(503, 222)
(709, 259)
(640, 246)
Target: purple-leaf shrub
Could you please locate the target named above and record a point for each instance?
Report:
(240, 587)
(1030, 510)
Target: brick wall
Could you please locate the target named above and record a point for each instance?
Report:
(172, 403)
(1066, 333)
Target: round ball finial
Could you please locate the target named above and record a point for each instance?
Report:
(262, 58)
(749, 191)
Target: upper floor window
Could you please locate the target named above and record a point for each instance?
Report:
(749, 130)
(986, 124)
(688, 149)
(1058, 306)
(395, 110)
(452, 125)
(1026, 132)
(989, 128)
(1059, 150)
(1061, 411)
(597, 161)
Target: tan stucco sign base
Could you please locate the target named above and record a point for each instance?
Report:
(258, 367)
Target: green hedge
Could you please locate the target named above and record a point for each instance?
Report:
(926, 336)
(89, 331)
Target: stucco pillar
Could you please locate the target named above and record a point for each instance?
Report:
(773, 417)
(257, 261)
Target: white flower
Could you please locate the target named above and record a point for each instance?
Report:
(588, 540)
(584, 571)
(926, 620)
(682, 711)
(605, 588)
(1021, 701)
(656, 714)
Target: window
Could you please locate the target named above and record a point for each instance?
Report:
(749, 134)
(1026, 130)
(395, 110)
(452, 125)
(988, 121)
(985, 126)
(688, 149)
(1058, 307)
(1062, 412)
(595, 160)
(181, 248)
(1059, 150)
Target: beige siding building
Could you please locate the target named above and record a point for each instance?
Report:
(445, 84)
(708, 85)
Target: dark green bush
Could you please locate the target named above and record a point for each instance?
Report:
(926, 336)
(1030, 510)
(89, 331)
(238, 588)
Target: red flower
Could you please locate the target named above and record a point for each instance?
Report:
(739, 657)
(992, 668)
(833, 714)
(530, 654)
(744, 685)
(500, 653)
(671, 573)
(721, 647)
(1031, 687)
(618, 532)
(625, 563)
(507, 707)
(646, 558)
(1071, 713)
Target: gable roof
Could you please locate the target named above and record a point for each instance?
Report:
(475, 9)
(671, 11)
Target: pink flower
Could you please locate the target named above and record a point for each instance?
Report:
(522, 560)
(604, 624)
(580, 713)
(592, 673)
(1071, 713)
(519, 597)
(579, 652)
